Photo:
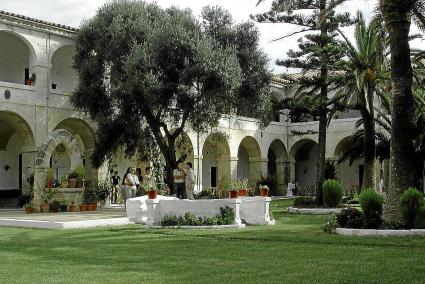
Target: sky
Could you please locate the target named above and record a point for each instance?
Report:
(72, 12)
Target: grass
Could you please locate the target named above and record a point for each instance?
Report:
(293, 251)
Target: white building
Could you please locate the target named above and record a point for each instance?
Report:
(40, 129)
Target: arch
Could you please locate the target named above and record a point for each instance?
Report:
(16, 55)
(83, 132)
(303, 156)
(62, 73)
(16, 145)
(350, 173)
(249, 160)
(53, 140)
(277, 169)
(215, 161)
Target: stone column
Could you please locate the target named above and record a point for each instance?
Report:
(281, 177)
(233, 161)
(257, 168)
(40, 177)
(292, 171)
(197, 167)
(152, 218)
(235, 204)
(224, 171)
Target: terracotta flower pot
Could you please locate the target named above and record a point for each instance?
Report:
(152, 194)
(92, 207)
(233, 194)
(45, 207)
(264, 192)
(242, 192)
(79, 184)
(49, 184)
(29, 210)
(72, 183)
(83, 207)
(72, 208)
(28, 82)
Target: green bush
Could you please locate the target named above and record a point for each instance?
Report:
(226, 217)
(350, 218)
(420, 219)
(331, 224)
(332, 193)
(372, 205)
(305, 202)
(411, 201)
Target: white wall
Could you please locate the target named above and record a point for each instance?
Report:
(349, 175)
(10, 179)
(14, 58)
(306, 169)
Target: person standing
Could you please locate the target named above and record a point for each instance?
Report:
(190, 179)
(115, 181)
(139, 182)
(179, 181)
(130, 184)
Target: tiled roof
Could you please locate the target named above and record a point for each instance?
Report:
(71, 29)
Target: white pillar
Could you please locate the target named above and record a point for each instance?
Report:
(152, 218)
(197, 167)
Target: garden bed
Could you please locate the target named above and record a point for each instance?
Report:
(313, 211)
(379, 233)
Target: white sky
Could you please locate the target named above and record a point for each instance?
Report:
(72, 12)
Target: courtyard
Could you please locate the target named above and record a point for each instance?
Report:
(295, 250)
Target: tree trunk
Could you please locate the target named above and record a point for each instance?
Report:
(397, 20)
(369, 148)
(321, 148)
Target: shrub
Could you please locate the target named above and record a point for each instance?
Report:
(330, 225)
(420, 219)
(191, 220)
(371, 203)
(169, 220)
(350, 218)
(226, 217)
(411, 201)
(304, 202)
(332, 193)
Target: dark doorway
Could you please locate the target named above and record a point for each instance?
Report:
(213, 176)
(20, 171)
(361, 171)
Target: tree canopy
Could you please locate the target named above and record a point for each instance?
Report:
(146, 74)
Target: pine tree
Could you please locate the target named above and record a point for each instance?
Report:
(318, 56)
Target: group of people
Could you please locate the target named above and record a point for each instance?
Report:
(130, 185)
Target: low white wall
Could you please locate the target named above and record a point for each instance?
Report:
(137, 211)
(255, 210)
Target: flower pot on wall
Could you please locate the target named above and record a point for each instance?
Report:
(73, 208)
(29, 210)
(28, 82)
(242, 192)
(72, 182)
(264, 192)
(50, 183)
(79, 184)
(152, 194)
(233, 194)
(45, 207)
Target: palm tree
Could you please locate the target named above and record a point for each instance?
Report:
(361, 73)
(397, 15)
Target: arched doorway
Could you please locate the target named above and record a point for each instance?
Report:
(304, 154)
(62, 73)
(278, 172)
(16, 157)
(215, 161)
(84, 137)
(350, 170)
(249, 160)
(15, 57)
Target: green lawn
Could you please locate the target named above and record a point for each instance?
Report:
(293, 251)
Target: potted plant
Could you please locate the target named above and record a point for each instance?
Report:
(150, 187)
(89, 199)
(31, 80)
(63, 182)
(102, 193)
(231, 189)
(55, 206)
(29, 208)
(46, 195)
(80, 176)
(72, 179)
(264, 190)
(63, 206)
(242, 186)
(50, 178)
(73, 207)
